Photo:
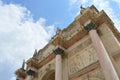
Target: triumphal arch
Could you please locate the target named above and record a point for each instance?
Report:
(88, 49)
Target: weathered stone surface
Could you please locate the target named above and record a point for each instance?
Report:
(81, 59)
(80, 47)
(73, 27)
(93, 75)
(45, 69)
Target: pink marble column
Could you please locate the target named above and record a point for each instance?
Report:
(58, 67)
(29, 77)
(104, 59)
(58, 64)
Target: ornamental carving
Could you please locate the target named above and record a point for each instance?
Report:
(81, 60)
(80, 47)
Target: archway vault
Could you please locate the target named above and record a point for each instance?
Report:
(50, 75)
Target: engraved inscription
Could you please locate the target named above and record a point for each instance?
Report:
(81, 60)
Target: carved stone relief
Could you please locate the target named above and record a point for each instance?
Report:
(80, 47)
(93, 75)
(81, 60)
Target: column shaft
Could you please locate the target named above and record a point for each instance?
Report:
(58, 67)
(104, 59)
(29, 77)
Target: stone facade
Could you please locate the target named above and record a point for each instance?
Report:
(72, 55)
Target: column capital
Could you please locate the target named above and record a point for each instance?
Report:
(58, 51)
(90, 26)
(30, 72)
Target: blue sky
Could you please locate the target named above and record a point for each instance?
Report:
(53, 11)
(26, 25)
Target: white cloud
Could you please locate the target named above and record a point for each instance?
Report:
(101, 5)
(20, 35)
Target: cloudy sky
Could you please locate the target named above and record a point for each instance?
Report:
(26, 25)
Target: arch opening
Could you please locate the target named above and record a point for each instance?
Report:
(50, 75)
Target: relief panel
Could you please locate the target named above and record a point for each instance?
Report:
(80, 47)
(81, 60)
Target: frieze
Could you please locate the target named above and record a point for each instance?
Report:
(80, 47)
(81, 60)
